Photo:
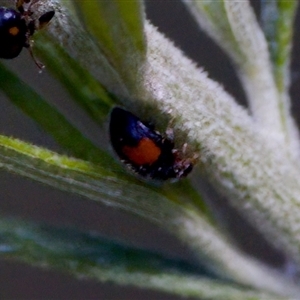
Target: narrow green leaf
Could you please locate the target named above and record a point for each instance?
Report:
(89, 255)
(68, 30)
(118, 28)
(212, 17)
(81, 85)
(101, 182)
(104, 183)
(50, 119)
(278, 22)
(24, 240)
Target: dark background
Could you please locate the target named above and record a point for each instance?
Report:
(21, 197)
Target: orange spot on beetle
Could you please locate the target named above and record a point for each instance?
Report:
(14, 30)
(145, 153)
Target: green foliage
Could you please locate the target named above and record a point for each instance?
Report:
(105, 53)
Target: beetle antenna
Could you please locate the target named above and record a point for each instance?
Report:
(38, 63)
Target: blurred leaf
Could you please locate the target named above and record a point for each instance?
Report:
(73, 175)
(106, 184)
(278, 21)
(67, 30)
(50, 119)
(89, 255)
(80, 84)
(24, 240)
(118, 28)
(212, 16)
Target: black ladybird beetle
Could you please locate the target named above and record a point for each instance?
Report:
(144, 150)
(16, 28)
